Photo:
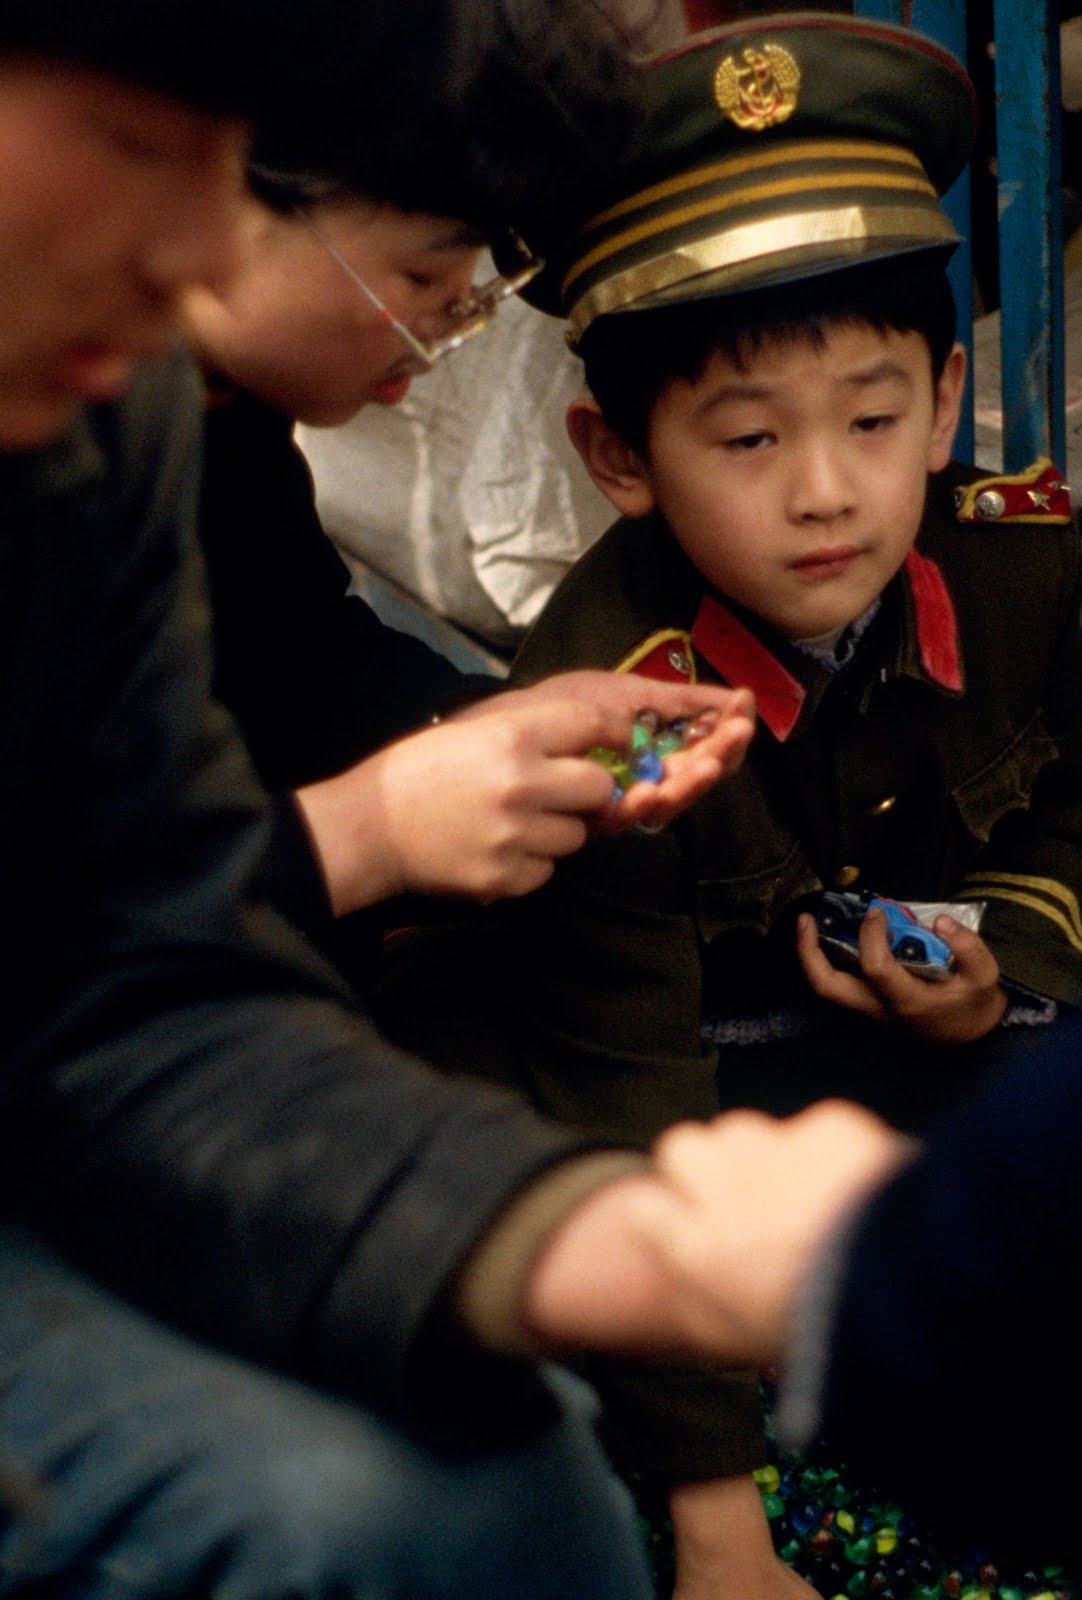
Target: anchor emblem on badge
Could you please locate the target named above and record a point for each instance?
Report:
(762, 92)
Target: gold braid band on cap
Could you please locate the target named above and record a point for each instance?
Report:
(794, 197)
(715, 205)
(807, 153)
(752, 247)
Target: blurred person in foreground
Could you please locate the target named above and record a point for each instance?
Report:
(265, 1314)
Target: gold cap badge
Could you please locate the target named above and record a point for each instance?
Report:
(761, 93)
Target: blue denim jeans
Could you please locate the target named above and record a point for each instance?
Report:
(164, 1468)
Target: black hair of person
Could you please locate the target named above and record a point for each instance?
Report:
(629, 357)
(475, 109)
(519, 101)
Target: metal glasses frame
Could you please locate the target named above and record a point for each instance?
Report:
(469, 317)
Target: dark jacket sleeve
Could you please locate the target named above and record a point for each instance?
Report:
(192, 1106)
(953, 1363)
(1029, 872)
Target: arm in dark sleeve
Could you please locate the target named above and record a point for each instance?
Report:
(192, 1106)
(1029, 874)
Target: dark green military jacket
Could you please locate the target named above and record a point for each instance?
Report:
(944, 761)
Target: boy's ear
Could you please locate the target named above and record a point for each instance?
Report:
(948, 408)
(619, 472)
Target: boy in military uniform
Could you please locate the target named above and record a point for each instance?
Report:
(760, 300)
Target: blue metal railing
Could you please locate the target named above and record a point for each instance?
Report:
(1030, 231)
(1030, 226)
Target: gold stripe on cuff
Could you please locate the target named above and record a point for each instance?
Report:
(1007, 884)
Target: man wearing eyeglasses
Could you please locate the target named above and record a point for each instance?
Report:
(341, 301)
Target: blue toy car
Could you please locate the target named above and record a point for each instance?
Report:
(839, 917)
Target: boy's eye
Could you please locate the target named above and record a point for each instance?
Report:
(742, 442)
(878, 422)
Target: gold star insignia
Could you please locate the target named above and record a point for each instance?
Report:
(1038, 498)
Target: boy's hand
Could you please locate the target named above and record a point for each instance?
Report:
(964, 1007)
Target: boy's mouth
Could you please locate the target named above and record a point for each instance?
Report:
(828, 562)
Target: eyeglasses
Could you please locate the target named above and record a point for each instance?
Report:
(462, 320)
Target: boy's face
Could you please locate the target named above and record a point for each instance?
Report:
(796, 483)
(293, 328)
(112, 200)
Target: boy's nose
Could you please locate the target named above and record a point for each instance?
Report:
(820, 489)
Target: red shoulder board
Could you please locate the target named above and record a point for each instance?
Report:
(665, 656)
(1037, 495)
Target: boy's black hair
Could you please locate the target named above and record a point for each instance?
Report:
(630, 357)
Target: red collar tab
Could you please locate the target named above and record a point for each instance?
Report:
(744, 662)
(1037, 495)
(937, 629)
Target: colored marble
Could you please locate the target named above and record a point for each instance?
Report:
(804, 1515)
(648, 768)
(651, 741)
(860, 1551)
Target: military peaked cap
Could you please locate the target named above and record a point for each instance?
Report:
(772, 149)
